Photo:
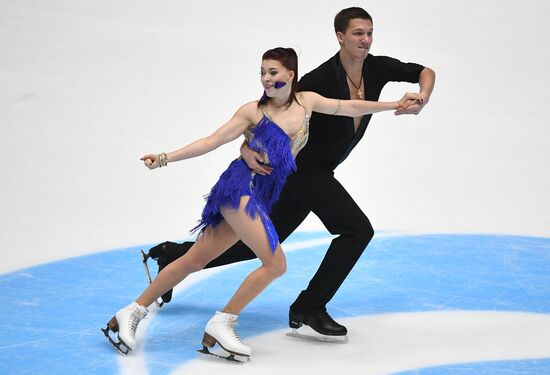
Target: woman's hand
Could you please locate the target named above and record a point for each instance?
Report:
(408, 99)
(410, 104)
(254, 160)
(150, 161)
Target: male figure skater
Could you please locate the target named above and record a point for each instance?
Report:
(353, 73)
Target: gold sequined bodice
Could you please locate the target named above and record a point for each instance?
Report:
(297, 141)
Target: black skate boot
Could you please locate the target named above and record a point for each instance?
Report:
(321, 327)
(163, 254)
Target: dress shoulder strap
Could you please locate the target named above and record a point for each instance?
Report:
(264, 111)
(302, 101)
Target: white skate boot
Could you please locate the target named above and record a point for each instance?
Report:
(125, 322)
(221, 329)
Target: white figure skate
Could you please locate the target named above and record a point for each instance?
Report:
(220, 329)
(125, 323)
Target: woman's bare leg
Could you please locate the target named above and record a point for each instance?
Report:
(213, 242)
(252, 233)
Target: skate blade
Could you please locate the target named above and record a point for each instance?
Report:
(230, 357)
(118, 344)
(144, 258)
(314, 336)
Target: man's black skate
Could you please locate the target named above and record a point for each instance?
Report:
(323, 327)
(144, 258)
(163, 254)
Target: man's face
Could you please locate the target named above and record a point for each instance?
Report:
(357, 39)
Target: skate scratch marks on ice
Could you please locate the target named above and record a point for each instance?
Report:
(391, 343)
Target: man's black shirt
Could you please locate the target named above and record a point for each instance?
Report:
(331, 138)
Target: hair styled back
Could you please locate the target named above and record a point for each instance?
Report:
(288, 58)
(341, 20)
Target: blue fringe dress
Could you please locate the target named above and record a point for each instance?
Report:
(279, 151)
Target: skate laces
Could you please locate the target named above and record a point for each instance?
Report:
(136, 316)
(233, 324)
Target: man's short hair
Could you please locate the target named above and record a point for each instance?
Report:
(341, 20)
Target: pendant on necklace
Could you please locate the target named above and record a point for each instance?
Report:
(358, 88)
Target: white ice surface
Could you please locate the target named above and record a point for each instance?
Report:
(86, 88)
(389, 343)
(378, 344)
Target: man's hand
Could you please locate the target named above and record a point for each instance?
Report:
(413, 109)
(254, 160)
(426, 81)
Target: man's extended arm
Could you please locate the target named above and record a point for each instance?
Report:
(426, 81)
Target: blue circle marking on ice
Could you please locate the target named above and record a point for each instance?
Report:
(51, 314)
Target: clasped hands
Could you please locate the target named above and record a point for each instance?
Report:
(410, 104)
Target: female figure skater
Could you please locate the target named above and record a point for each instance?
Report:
(238, 205)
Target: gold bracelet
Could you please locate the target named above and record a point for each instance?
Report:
(337, 108)
(162, 160)
(158, 160)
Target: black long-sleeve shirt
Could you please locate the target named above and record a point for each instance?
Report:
(331, 138)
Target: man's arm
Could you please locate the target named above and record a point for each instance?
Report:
(426, 81)
(254, 160)
(308, 83)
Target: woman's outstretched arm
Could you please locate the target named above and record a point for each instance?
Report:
(231, 130)
(355, 108)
